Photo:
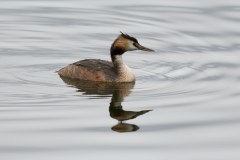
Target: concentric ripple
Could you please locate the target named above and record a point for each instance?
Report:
(183, 105)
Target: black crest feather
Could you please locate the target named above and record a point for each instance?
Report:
(129, 37)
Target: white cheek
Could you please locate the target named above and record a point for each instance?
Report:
(131, 47)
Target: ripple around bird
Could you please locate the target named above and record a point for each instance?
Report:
(190, 84)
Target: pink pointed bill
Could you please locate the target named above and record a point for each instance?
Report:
(140, 47)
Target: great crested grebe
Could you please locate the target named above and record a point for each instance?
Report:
(105, 71)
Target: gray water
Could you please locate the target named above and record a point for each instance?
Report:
(185, 104)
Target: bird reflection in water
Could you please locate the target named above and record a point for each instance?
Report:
(118, 91)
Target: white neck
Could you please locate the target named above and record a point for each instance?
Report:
(122, 69)
(118, 62)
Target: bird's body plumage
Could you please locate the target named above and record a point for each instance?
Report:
(97, 70)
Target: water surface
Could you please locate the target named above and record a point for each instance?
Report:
(184, 104)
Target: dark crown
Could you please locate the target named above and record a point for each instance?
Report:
(129, 37)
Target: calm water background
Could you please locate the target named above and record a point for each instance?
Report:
(191, 82)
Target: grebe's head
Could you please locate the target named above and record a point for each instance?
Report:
(124, 43)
